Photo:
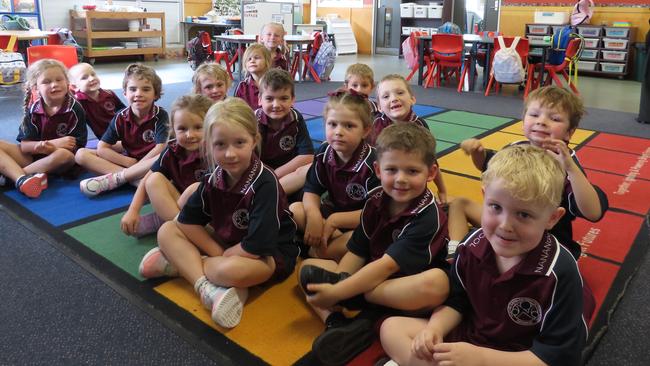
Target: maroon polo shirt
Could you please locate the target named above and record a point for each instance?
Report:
(249, 92)
(180, 166)
(280, 58)
(536, 305)
(374, 109)
(69, 120)
(100, 112)
(288, 141)
(138, 139)
(416, 238)
(563, 230)
(347, 184)
(254, 211)
(382, 121)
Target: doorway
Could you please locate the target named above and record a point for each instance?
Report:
(482, 15)
(387, 27)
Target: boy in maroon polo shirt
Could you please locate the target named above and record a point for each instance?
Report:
(100, 105)
(515, 294)
(142, 129)
(286, 145)
(272, 37)
(396, 257)
(257, 61)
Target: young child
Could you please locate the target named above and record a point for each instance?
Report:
(272, 37)
(396, 102)
(211, 80)
(360, 78)
(53, 128)
(342, 167)
(257, 61)
(100, 105)
(179, 166)
(515, 291)
(396, 257)
(551, 116)
(142, 130)
(286, 145)
(252, 241)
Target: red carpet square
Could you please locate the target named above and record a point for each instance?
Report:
(629, 165)
(633, 145)
(626, 194)
(609, 238)
(599, 275)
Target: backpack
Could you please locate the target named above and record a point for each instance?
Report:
(507, 66)
(12, 65)
(582, 12)
(66, 38)
(558, 44)
(450, 28)
(199, 49)
(410, 52)
(325, 57)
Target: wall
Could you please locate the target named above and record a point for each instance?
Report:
(196, 7)
(361, 21)
(513, 19)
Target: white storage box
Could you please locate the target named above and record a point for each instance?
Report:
(420, 11)
(616, 32)
(406, 30)
(435, 11)
(589, 54)
(406, 10)
(424, 31)
(587, 65)
(617, 44)
(591, 42)
(551, 17)
(537, 29)
(614, 55)
(589, 31)
(610, 67)
(433, 31)
(535, 38)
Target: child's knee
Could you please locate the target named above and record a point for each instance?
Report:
(81, 157)
(63, 156)
(167, 232)
(435, 285)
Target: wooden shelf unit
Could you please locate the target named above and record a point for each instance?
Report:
(82, 25)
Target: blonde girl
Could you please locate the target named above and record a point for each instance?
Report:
(343, 167)
(53, 128)
(178, 167)
(242, 201)
(272, 37)
(257, 60)
(211, 80)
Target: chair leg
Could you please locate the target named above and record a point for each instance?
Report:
(531, 73)
(489, 86)
(415, 69)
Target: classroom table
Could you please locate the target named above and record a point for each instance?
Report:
(24, 36)
(215, 28)
(298, 40)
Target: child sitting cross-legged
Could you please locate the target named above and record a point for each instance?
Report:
(516, 292)
(396, 257)
(141, 128)
(257, 61)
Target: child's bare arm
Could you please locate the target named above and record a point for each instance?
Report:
(442, 321)
(313, 218)
(475, 150)
(293, 164)
(442, 190)
(462, 353)
(200, 237)
(105, 151)
(129, 222)
(340, 220)
(155, 151)
(37, 147)
(65, 142)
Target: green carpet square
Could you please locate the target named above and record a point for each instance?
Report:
(443, 145)
(470, 119)
(449, 132)
(105, 238)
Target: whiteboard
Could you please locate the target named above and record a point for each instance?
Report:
(256, 15)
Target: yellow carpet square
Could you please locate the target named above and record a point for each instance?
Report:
(578, 137)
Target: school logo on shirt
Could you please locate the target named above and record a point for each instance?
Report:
(61, 129)
(109, 105)
(525, 311)
(287, 143)
(240, 219)
(148, 136)
(355, 191)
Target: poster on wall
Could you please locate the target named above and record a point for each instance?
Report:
(24, 6)
(340, 3)
(5, 6)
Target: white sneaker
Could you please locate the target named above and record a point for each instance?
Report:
(91, 187)
(154, 264)
(227, 310)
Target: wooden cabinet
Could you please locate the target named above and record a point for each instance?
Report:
(127, 30)
(416, 15)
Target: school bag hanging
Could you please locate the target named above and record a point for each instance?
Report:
(507, 66)
(12, 65)
(582, 12)
(325, 58)
(410, 53)
(199, 49)
(559, 42)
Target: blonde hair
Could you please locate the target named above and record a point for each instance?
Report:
(354, 102)
(395, 77)
(553, 96)
(196, 104)
(140, 72)
(528, 173)
(231, 112)
(410, 138)
(361, 70)
(273, 25)
(258, 48)
(34, 71)
(276, 79)
(213, 70)
(74, 68)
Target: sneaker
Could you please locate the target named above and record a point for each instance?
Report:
(227, 309)
(148, 224)
(314, 274)
(31, 185)
(338, 345)
(96, 185)
(207, 292)
(154, 264)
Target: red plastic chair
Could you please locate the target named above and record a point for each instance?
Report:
(8, 43)
(570, 56)
(308, 57)
(448, 51)
(415, 42)
(65, 54)
(53, 39)
(523, 48)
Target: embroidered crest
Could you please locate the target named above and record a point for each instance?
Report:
(61, 129)
(287, 143)
(109, 105)
(148, 136)
(355, 191)
(525, 311)
(240, 219)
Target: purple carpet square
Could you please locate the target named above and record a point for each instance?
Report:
(310, 107)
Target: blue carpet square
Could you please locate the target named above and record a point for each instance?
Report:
(425, 110)
(316, 129)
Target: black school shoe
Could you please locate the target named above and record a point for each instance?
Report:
(340, 343)
(314, 274)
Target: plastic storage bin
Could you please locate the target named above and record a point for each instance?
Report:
(616, 32)
(611, 67)
(406, 30)
(616, 44)
(420, 11)
(613, 55)
(587, 65)
(589, 54)
(406, 10)
(535, 38)
(589, 31)
(424, 31)
(434, 11)
(551, 17)
(537, 29)
(591, 42)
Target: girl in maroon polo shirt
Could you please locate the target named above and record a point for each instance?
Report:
(257, 60)
(272, 37)
(211, 80)
(53, 128)
(235, 231)
(178, 167)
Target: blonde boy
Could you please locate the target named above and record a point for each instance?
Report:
(272, 37)
(360, 78)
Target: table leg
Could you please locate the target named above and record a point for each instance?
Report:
(486, 69)
(300, 74)
(240, 55)
(472, 67)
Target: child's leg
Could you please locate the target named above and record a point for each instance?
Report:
(12, 160)
(298, 211)
(397, 334)
(89, 159)
(135, 172)
(58, 161)
(163, 196)
(329, 265)
(294, 181)
(336, 247)
(180, 252)
(424, 290)
(182, 200)
(461, 211)
(236, 271)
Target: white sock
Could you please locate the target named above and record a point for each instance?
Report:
(451, 246)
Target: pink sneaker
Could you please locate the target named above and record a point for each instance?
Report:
(154, 264)
(148, 224)
(227, 309)
(32, 185)
(93, 186)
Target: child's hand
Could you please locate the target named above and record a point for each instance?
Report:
(324, 295)
(329, 227)
(471, 146)
(459, 353)
(129, 222)
(441, 198)
(67, 142)
(560, 151)
(44, 148)
(313, 231)
(423, 343)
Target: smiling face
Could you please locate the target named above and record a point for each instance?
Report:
(85, 79)
(276, 104)
(232, 147)
(213, 88)
(344, 131)
(544, 122)
(395, 100)
(140, 95)
(272, 36)
(52, 85)
(188, 129)
(359, 84)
